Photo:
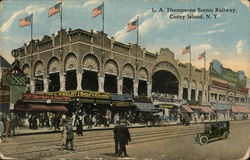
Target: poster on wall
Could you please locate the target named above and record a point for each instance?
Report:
(106, 55)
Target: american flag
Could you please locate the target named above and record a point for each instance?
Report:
(186, 50)
(97, 11)
(55, 9)
(25, 21)
(202, 56)
(132, 26)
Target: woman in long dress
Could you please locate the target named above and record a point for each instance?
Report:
(79, 126)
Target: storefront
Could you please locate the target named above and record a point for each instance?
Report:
(222, 111)
(168, 111)
(42, 103)
(240, 112)
(202, 112)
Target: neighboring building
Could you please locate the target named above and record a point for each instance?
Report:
(83, 64)
(4, 88)
(227, 89)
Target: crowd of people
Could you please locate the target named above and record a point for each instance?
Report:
(8, 124)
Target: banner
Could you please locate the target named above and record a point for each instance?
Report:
(81, 93)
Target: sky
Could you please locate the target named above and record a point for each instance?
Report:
(225, 38)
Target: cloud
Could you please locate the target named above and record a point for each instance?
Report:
(219, 24)
(210, 32)
(90, 3)
(216, 53)
(29, 9)
(246, 2)
(239, 47)
(204, 46)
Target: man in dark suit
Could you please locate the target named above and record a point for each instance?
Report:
(123, 138)
(116, 137)
(70, 136)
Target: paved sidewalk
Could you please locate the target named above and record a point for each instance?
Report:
(27, 131)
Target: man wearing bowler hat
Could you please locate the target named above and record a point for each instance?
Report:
(123, 138)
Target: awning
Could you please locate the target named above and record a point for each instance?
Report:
(166, 106)
(235, 109)
(219, 106)
(204, 109)
(186, 108)
(40, 107)
(207, 109)
(144, 107)
(122, 104)
(242, 109)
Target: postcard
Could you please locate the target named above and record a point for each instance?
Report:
(123, 79)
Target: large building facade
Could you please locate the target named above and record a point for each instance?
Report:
(83, 62)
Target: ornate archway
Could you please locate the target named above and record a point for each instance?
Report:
(53, 72)
(128, 77)
(90, 72)
(111, 74)
(70, 65)
(142, 84)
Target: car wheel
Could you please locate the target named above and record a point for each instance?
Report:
(203, 140)
(196, 139)
(225, 135)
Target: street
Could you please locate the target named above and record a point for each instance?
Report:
(168, 142)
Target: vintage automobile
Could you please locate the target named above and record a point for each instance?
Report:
(212, 130)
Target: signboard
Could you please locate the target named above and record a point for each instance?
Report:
(122, 97)
(81, 93)
(28, 96)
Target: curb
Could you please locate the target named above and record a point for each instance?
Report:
(101, 129)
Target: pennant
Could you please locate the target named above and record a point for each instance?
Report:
(186, 50)
(132, 26)
(25, 21)
(55, 9)
(201, 56)
(97, 11)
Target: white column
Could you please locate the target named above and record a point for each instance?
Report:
(32, 85)
(62, 82)
(149, 89)
(45, 84)
(196, 95)
(100, 83)
(217, 97)
(79, 80)
(135, 87)
(180, 92)
(204, 96)
(119, 85)
(189, 94)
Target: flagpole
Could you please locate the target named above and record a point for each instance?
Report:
(190, 62)
(204, 67)
(61, 30)
(31, 47)
(103, 28)
(137, 42)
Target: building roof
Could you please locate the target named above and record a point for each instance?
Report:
(4, 62)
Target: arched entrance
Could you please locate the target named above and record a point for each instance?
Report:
(165, 82)
(70, 68)
(142, 85)
(111, 73)
(53, 72)
(128, 76)
(90, 73)
(38, 76)
(185, 89)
